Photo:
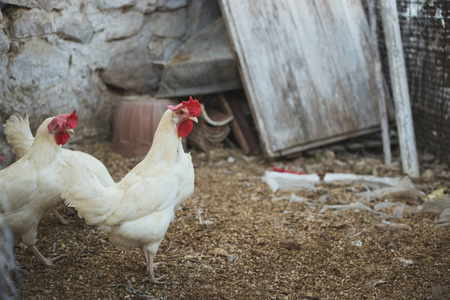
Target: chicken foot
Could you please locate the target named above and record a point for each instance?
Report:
(150, 266)
(43, 259)
(145, 253)
(60, 218)
(170, 243)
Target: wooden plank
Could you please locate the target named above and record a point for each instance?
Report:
(397, 69)
(307, 69)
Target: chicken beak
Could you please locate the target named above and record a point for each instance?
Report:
(70, 131)
(194, 119)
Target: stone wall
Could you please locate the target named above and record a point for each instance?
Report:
(60, 55)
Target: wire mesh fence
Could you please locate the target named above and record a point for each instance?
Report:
(425, 34)
(424, 26)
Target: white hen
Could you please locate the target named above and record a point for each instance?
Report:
(137, 211)
(19, 136)
(31, 186)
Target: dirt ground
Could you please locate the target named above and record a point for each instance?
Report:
(254, 244)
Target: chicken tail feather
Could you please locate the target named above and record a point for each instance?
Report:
(18, 134)
(84, 192)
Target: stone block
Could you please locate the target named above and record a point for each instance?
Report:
(34, 22)
(115, 4)
(125, 25)
(4, 43)
(77, 29)
(130, 68)
(39, 64)
(168, 24)
(171, 4)
(47, 5)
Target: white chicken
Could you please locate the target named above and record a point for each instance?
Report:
(137, 211)
(19, 136)
(31, 186)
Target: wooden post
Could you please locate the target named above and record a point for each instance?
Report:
(380, 87)
(400, 91)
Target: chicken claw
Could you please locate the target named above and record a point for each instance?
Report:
(156, 265)
(154, 280)
(43, 259)
(170, 243)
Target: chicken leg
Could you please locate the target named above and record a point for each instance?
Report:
(43, 259)
(60, 218)
(150, 265)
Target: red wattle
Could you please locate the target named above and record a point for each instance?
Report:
(62, 138)
(185, 128)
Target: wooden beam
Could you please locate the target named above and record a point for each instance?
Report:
(241, 129)
(397, 69)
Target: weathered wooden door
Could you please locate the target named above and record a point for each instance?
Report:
(307, 69)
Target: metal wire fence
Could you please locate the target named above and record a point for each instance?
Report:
(425, 34)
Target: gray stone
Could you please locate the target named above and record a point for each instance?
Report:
(162, 48)
(34, 22)
(149, 9)
(146, 6)
(126, 25)
(45, 72)
(205, 64)
(428, 174)
(231, 258)
(171, 4)
(48, 5)
(101, 21)
(39, 65)
(115, 4)
(201, 13)
(132, 69)
(77, 29)
(329, 154)
(169, 24)
(81, 89)
(4, 43)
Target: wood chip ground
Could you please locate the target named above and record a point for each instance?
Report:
(253, 244)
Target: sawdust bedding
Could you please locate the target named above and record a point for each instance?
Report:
(235, 239)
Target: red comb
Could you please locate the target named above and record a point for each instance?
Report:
(64, 121)
(193, 107)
